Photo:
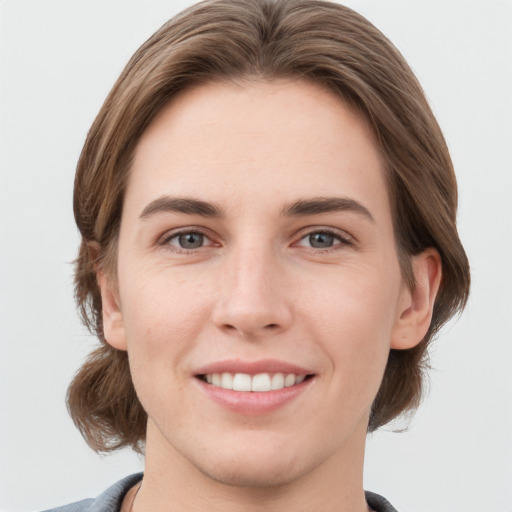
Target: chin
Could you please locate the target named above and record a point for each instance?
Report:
(254, 474)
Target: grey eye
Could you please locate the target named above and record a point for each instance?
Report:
(189, 240)
(321, 240)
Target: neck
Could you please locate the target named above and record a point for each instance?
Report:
(334, 485)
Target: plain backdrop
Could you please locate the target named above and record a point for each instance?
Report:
(59, 59)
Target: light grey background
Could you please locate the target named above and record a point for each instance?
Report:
(58, 60)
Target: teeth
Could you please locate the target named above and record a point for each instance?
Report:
(277, 381)
(260, 382)
(226, 381)
(289, 380)
(241, 382)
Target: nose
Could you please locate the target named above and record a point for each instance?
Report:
(252, 295)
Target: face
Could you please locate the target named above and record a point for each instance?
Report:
(256, 252)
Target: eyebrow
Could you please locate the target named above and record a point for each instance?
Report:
(185, 205)
(319, 205)
(300, 208)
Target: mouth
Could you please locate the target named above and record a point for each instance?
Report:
(252, 388)
(260, 382)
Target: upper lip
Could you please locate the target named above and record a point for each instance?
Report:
(252, 367)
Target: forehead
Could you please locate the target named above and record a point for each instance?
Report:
(231, 140)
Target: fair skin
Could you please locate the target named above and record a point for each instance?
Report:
(282, 260)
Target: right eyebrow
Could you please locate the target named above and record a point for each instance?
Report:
(184, 205)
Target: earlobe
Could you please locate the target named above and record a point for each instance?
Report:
(416, 306)
(113, 322)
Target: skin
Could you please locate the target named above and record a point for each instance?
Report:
(257, 289)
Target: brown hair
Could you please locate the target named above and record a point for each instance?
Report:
(264, 39)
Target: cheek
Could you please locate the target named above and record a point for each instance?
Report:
(353, 317)
(356, 300)
(163, 317)
(163, 313)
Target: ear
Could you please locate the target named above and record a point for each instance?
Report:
(113, 322)
(414, 313)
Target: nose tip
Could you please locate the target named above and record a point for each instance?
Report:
(249, 325)
(252, 300)
(251, 319)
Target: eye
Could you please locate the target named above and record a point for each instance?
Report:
(322, 240)
(187, 240)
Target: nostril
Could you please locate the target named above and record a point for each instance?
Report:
(271, 326)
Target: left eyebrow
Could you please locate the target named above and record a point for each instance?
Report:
(318, 205)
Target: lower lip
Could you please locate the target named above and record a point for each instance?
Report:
(252, 403)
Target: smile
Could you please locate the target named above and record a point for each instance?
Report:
(254, 387)
(261, 382)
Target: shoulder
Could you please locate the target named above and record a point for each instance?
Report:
(108, 501)
(378, 503)
(78, 506)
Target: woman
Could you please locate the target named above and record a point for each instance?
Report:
(267, 210)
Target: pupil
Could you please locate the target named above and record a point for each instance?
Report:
(191, 240)
(321, 240)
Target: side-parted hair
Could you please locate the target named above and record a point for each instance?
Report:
(237, 40)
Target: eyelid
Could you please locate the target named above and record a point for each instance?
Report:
(344, 237)
(164, 240)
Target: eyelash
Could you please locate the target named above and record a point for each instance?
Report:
(166, 240)
(339, 240)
